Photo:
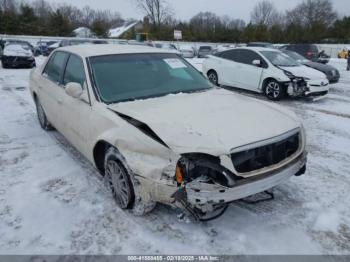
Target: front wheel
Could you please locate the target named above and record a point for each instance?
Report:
(43, 121)
(273, 90)
(213, 78)
(118, 180)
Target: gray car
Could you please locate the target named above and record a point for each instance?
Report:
(331, 72)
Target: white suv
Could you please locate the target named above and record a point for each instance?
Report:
(265, 70)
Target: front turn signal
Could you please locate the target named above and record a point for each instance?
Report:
(178, 175)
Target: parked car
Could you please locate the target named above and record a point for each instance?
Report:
(331, 72)
(41, 48)
(145, 119)
(17, 42)
(52, 47)
(70, 42)
(17, 55)
(260, 44)
(141, 43)
(308, 51)
(265, 70)
(187, 51)
(165, 46)
(204, 51)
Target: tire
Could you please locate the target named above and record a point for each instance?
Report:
(43, 121)
(213, 77)
(273, 90)
(118, 180)
(4, 65)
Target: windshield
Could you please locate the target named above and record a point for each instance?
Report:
(295, 56)
(279, 59)
(127, 77)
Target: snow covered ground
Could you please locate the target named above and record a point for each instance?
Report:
(52, 201)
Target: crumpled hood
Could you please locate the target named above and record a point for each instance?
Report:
(212, 122)
(304, 71)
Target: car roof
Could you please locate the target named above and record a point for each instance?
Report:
(89, 50)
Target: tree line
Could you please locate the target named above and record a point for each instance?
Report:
(310, 21)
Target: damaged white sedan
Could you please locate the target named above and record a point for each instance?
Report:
(158, 131)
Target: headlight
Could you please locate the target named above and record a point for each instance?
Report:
(289, 74)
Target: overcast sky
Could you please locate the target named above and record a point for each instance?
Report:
(185, 9)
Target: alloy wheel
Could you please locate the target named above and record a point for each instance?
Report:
(273, 90)
(118, 183)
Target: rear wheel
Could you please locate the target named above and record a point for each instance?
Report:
(44, 122)
(213, 77)
(118, 180)
(274, 90)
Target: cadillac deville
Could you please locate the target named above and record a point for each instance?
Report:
(158, 131)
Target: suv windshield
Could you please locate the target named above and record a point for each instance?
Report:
(279, 59)
(127, 77)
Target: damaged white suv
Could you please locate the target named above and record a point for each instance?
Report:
(160, 132)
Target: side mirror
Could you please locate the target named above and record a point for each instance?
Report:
(74, 90)
(257, 62)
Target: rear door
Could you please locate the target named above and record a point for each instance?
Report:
(50, 94)
(248, 76)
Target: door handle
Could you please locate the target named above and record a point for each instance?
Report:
(40, 87)
(60, 102)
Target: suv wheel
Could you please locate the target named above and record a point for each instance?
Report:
(273, 90)
(118, 180)
(213, 77)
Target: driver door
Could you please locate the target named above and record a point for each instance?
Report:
(76, 112)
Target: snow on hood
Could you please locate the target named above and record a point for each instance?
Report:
(212, 122)
(17, 50)
(305, 71)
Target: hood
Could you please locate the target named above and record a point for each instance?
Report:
(304, 71)
(17, 50)
(211, 122)
(321, 67)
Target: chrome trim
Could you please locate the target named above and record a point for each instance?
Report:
(265, 142)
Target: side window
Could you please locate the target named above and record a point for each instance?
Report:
(230, 55)
(54, 68)
(248, 56)
(74, 71)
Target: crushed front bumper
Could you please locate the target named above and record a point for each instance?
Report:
(206, 196)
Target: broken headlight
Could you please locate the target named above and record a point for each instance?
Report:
(205, 167)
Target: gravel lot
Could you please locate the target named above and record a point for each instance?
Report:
(52, 201)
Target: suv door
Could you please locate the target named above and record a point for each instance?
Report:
(76, 112)
(50, 94)
(248, 76)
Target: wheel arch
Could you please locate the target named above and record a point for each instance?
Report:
(99, 152)
(266, 80)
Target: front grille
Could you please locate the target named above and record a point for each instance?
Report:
(265, 156)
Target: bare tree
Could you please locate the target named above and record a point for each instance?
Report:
(8, 5)
(264, 13)
(312, 12)
(158, 11)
